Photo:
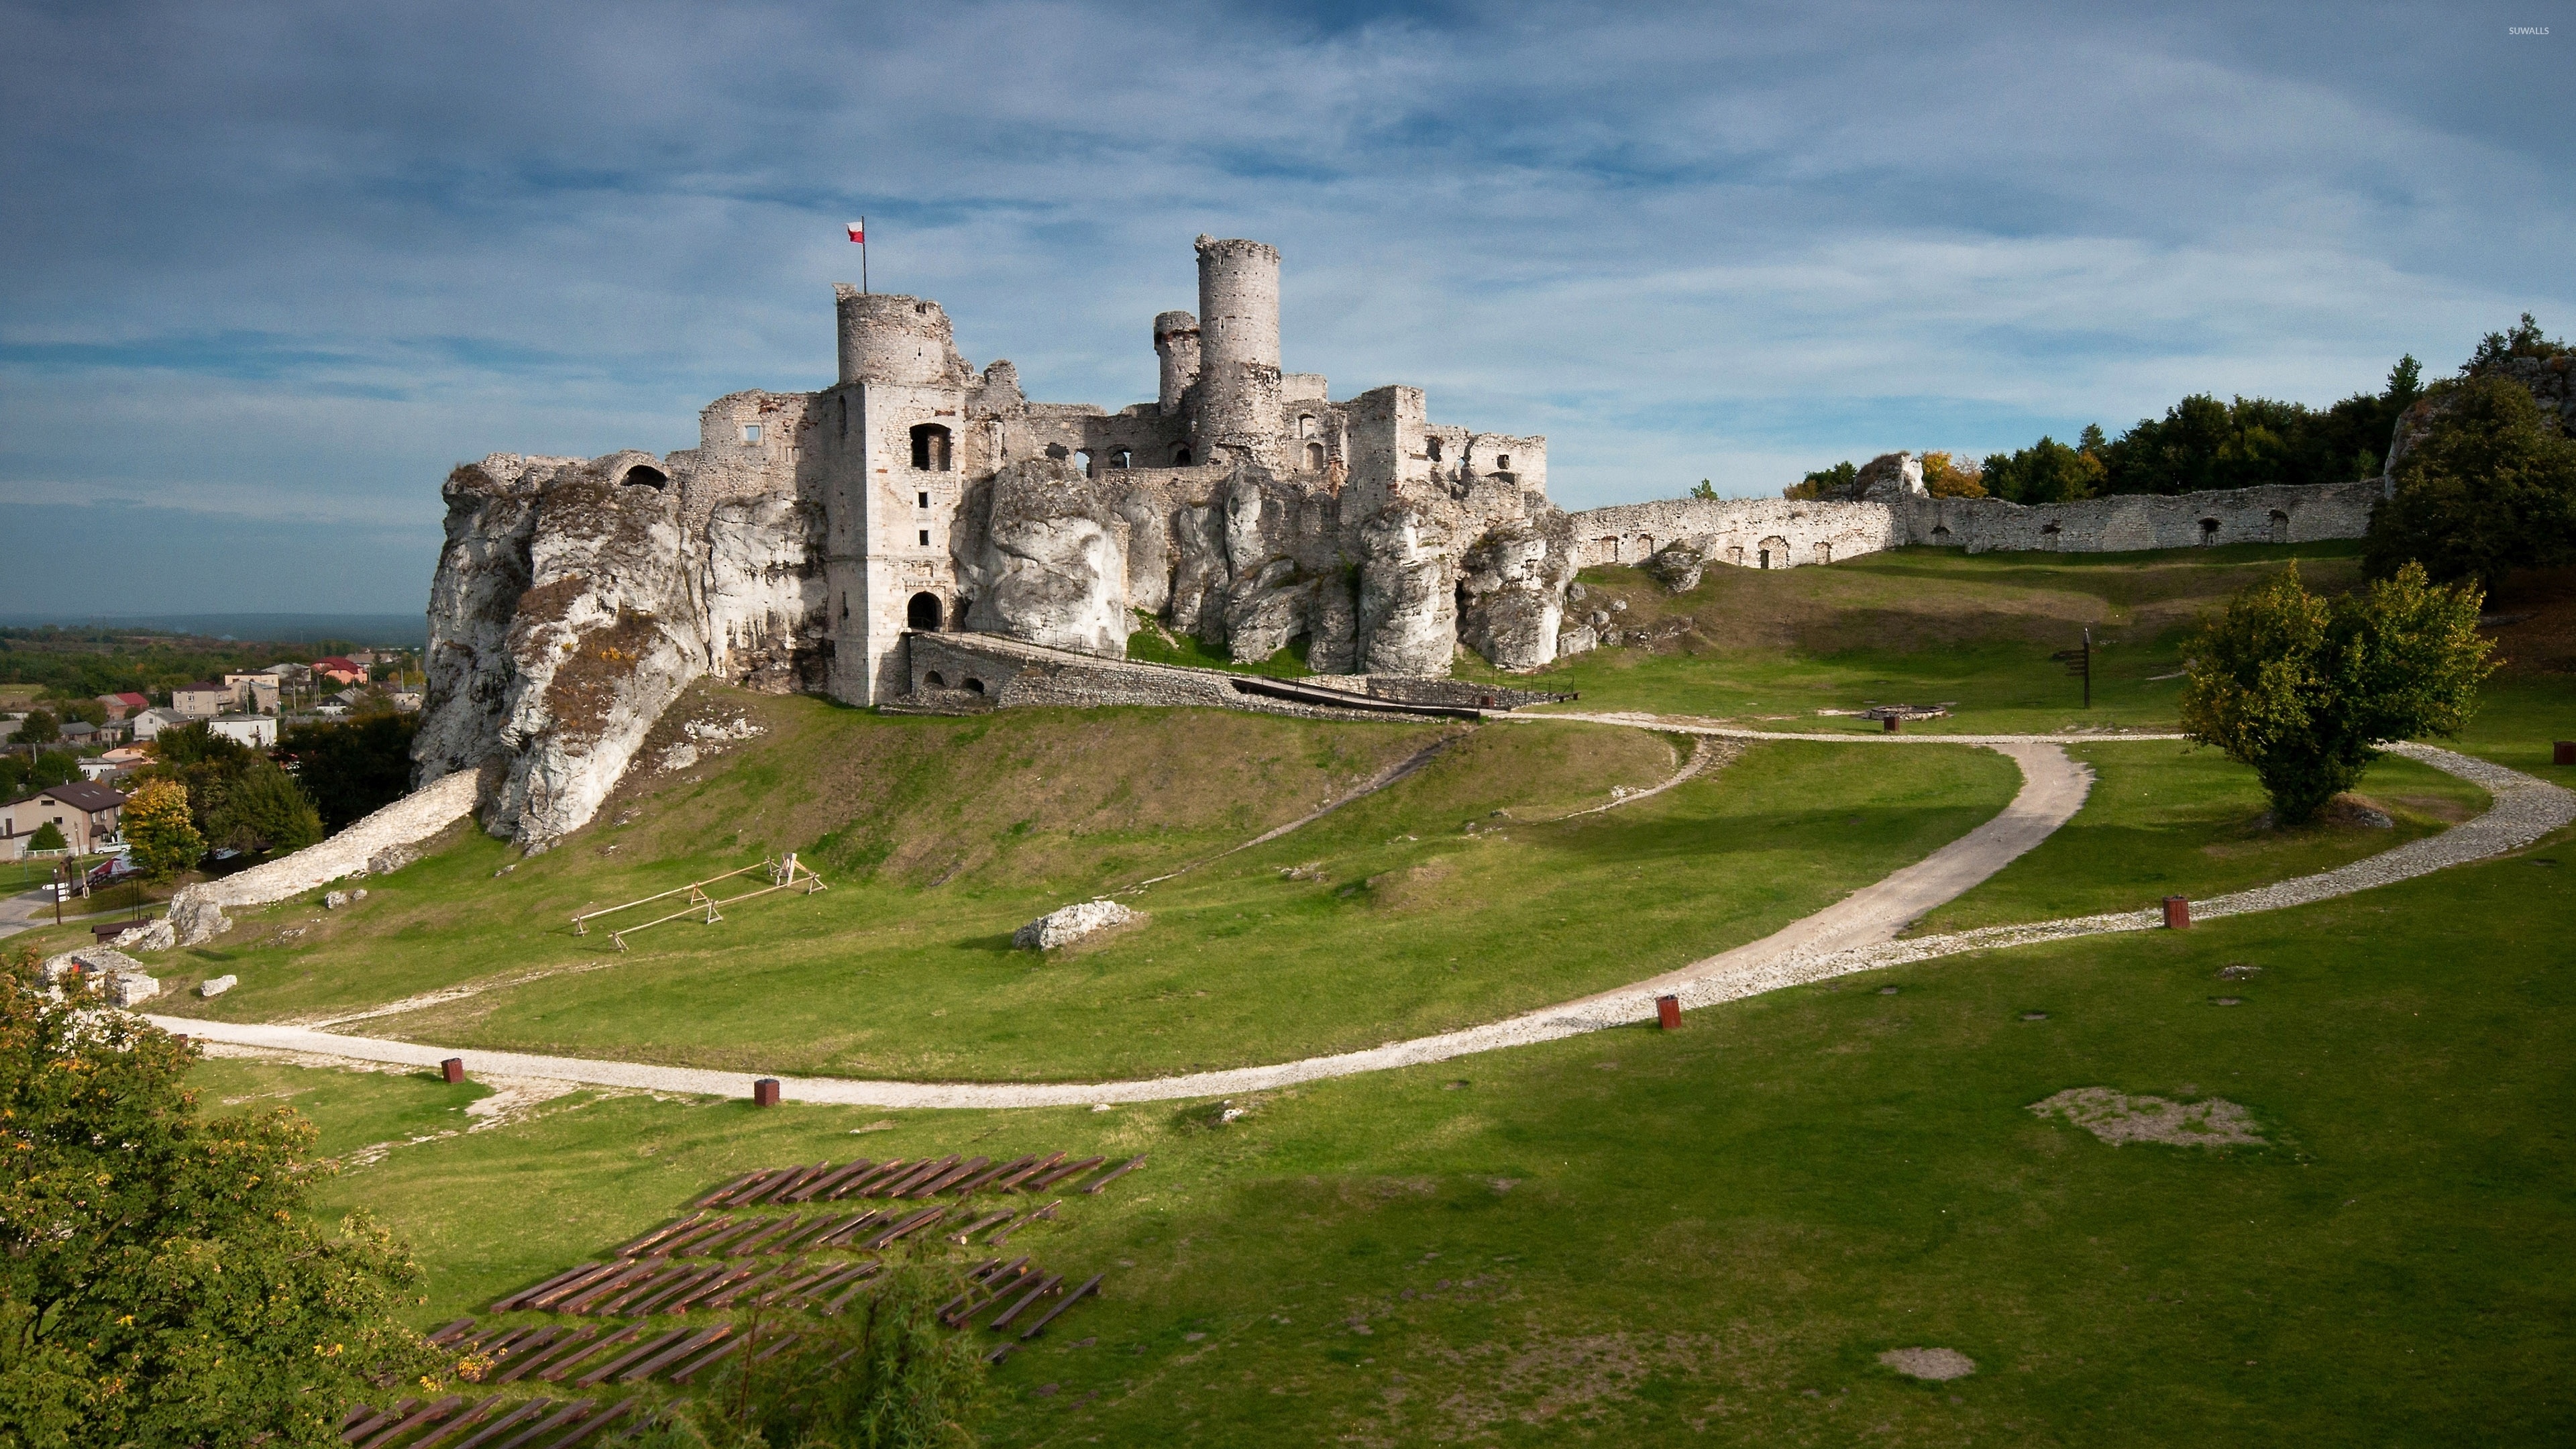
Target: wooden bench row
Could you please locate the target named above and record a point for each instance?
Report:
(492, 1422)
(896, 1178)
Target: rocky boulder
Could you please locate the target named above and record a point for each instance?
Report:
(1070, 924)
(1513, 583)
(1677, 566)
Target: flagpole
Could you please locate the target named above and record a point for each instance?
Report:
(863, 256)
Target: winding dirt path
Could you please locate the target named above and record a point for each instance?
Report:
(1855, 934)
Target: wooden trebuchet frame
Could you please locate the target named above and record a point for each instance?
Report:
(785, 873)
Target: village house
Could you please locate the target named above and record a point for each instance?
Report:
(340, 670)
(122, 706)
(254, 693)
(202, 700)
(86, 812)
(153, 721)
(259, 731)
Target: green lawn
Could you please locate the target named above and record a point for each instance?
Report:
(1919, 626)
(2168, 819)
(1453, 898)
(1709, 1236)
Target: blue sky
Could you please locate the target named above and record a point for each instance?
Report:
(268, 270)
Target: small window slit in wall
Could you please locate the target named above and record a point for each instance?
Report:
(925, 538)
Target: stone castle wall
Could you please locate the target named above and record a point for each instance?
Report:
(1794, 533)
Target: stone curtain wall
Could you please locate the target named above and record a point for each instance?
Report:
(1012, 675)
(1734, 530)
(2132, 522)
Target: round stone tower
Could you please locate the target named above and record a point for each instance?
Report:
(891, 339)
(1238, 398)
(1176, 341)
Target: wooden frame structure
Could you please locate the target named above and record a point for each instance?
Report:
(787, 873)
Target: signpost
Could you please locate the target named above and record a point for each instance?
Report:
(2079, 662)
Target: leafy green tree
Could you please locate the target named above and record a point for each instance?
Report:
(40, 727)
(2304, 688)
(1947, 475)
(2523, 340)
(156, 824)
(2486, 491)
(19, 774)
(2047, 471)
(353, 769)
(48, 836)
(264, 811)
(1704, 490)
(887, 1374)
(162, 1284)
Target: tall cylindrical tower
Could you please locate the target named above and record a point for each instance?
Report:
(1176, 341)
(1238, 398)
(891, 339)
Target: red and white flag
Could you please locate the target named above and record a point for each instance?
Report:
(859, 231)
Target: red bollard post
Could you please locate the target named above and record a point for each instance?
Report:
(2562, 752)
(453, 1069)
(2177, 912)
(764, 1093)
(1668, 1012)
(1891, 722)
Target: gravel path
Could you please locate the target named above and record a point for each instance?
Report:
(1852, 935)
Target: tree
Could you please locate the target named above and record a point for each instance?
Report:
(48, 836)
(264, 811)
(2524, 340)
(18, 774)
(1704, 490)
(2304, 688)
(2047, 471)
(354, 769)
(162, 1283)
(885, 1375)
(156, 824)
(1949, 476)
(40, 727)
(1830, 482)
(2486, 491)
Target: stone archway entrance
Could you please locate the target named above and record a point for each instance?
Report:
(922, 615)
(1775, 552)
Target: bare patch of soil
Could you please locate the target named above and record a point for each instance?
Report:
(1940, 1365)
(2116, 1118)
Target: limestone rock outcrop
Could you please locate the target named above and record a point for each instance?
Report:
(1069, 924)
(1677, 566)
(559, 681)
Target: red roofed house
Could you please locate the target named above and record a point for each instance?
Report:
(340, 671)
(119, 706)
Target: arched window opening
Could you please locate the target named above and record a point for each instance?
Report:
(1122, 458)
(1085, 456)
(1775, 553)
(1940, 530)
(2209, 530)
(645, 475)
(974, 686)
(922, 614)
(1431, 446)
(2280, 526)
(1305, 425)
(930, 448)
(1181, 458)
(934, 681)
(1314, 457)
(1824, 553)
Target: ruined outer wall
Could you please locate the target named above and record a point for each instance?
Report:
(2132, 522)
(1734, 530)
(1018, 675)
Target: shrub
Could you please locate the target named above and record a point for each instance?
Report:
(48, 836)
(887, 1374)
(2305, 688)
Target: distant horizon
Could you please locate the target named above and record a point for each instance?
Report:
(368, 629)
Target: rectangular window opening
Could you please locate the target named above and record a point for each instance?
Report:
(751, 432)
(925, 538)
(925, 499)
